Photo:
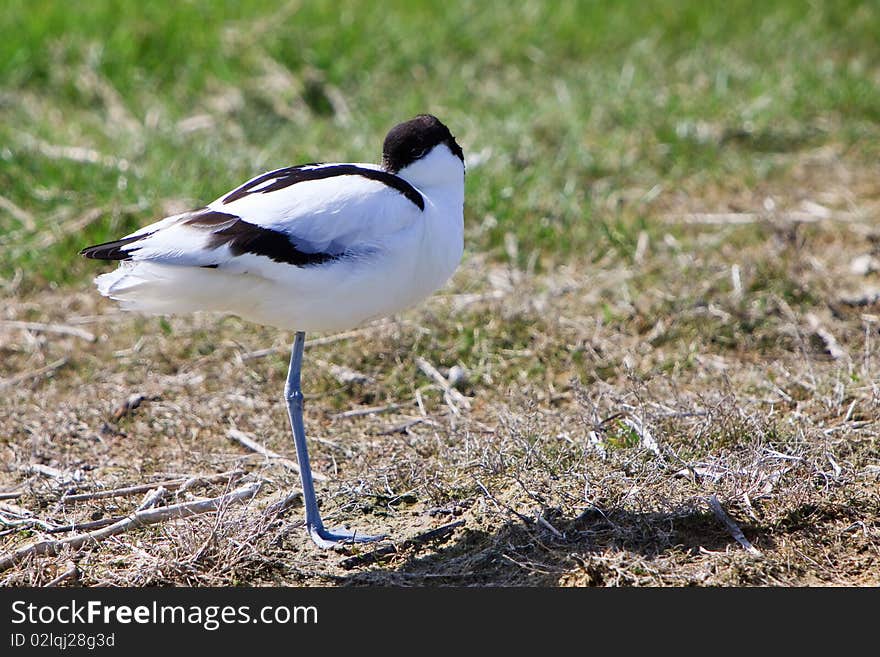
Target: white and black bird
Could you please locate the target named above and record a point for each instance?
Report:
(316, 247)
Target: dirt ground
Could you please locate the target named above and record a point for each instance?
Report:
(703, 411)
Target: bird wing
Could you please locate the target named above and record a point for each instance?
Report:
(302, 216)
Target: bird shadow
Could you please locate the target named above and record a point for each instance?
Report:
(540, 552)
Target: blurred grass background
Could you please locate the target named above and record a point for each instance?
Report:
(574, 116)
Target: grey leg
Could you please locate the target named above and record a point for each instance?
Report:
(293, 395)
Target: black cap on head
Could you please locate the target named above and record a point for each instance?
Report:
(407, 142)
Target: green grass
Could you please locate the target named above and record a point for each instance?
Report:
(571, 112)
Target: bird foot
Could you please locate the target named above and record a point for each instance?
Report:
(328, 539)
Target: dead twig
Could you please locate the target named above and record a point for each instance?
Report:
(284, 503)
(170, 485)
(152, 498)
(541, 520)
(346, 335)
(84, 526)
(52, 473)
(316, 342)
(79, 154)
(70, 227)
(26, 522)
(243, 439)
(739, 218)
(262, 353)
(118, 115)
(345, 375)
(24, 217)
(832, 346)
(357, 412)
(13, 381)
(14, 509)
(133, 521)
(403, 427)
(71, 573)
(40, 327)
(454, 399)
(647, 439)
(731, 526)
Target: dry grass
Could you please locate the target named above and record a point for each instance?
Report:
(608, 402)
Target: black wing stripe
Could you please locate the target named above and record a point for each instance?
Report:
(226, 230)
(291, 175)
(111, 250)
(245, 238)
